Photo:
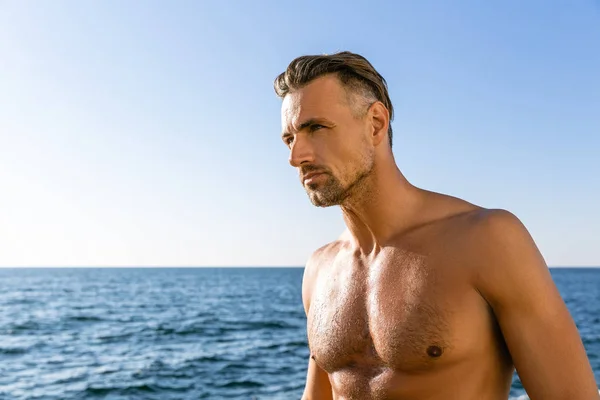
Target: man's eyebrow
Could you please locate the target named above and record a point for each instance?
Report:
(308, 123)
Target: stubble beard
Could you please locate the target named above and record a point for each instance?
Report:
(333, 193)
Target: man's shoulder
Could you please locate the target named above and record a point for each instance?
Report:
(497, 241)
(321, 257)
(491, 225)
(479, 234)
(326, 253)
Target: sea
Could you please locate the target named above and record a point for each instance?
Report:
(182, 333)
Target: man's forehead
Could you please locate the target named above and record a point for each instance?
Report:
(316, 99)
(291, 107)
(295, 113)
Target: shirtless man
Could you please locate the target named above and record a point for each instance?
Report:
(424, 296)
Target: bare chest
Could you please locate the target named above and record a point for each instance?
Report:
(394, 314)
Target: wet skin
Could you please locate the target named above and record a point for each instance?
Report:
(425, 296)
(407, 324)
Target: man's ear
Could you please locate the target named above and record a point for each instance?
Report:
(379, 117)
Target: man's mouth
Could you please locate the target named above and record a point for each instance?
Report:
(311, 176)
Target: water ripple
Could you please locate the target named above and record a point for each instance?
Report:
(177, 333)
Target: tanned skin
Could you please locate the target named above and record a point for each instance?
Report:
(424, 296)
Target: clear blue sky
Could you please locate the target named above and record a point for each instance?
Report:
(147, 132)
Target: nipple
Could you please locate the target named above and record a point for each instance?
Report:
(434, 351)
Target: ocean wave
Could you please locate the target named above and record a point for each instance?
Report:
(285, 345)
(206, 359)
(217, 329)
(108, 390)
(116, 337)
(240, 384)
(24, 326)
(182, 341)
(14, 350)
(85, 318)
(18, 349)
(250, 325)
(176, 386)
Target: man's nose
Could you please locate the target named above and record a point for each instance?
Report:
(301, 151)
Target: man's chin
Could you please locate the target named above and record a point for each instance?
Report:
(320, 201)
(323, 205)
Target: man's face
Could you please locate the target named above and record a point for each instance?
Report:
(328, 144)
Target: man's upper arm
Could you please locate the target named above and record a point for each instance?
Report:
(309, 278)
(538, 329)
(317, 385)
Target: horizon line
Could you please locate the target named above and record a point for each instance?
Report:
(213, 266)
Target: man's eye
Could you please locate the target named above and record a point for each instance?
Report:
(288, 141)
(316, 127)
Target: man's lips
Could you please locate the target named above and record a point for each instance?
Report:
(311, 175)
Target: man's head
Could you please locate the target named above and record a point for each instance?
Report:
(336, 115)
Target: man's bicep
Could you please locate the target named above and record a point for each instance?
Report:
(308, 281)
(544, 343)
(317, 386)
(310, 275)
(538, 329)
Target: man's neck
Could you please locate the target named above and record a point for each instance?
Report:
(386, 207)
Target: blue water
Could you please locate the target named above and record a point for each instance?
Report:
(180, 333)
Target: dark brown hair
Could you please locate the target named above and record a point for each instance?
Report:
(356, 74)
